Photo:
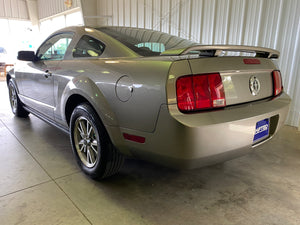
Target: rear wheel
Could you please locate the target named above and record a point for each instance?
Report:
(15, 103)
(94, 152)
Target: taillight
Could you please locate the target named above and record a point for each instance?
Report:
(197, 92)
(185, 93)
(277, 83)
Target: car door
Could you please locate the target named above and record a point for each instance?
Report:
(37, 78)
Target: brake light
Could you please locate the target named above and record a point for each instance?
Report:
(277, 82)
(185, 93)
(197, 92)
(251, 61)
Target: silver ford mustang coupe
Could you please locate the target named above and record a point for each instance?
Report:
(145, 94)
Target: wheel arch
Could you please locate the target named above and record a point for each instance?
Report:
(85, 90)
(113, 132)
(101, 109)
(8, 77)
(76, 92)
(73, 101)
(11, 78)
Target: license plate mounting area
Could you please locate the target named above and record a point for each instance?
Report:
(261, 130)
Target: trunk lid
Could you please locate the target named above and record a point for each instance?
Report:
(243, 80)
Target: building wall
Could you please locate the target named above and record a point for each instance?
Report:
(267, 23)
(48, 8)
(13, 9)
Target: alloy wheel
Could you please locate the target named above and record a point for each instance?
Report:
(13, 98)
(86, 141)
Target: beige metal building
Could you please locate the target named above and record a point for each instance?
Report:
(40, 182)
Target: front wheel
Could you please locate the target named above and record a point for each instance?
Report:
(94, 152)
(15, 103)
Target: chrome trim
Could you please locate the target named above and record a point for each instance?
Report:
(37, 102)
(254, 85)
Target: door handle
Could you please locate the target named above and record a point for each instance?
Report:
(47, 73)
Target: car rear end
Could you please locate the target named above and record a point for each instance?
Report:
(220, 101)
(218, 108)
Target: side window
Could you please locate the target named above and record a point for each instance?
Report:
(88, 47)
(152, 46)
(55, 47)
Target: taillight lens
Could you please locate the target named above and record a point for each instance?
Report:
(197, 92)
(277, 82)
(185, 93)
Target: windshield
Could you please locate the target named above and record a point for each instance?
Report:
(145, 42)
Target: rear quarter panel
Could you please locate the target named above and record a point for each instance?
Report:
(98, 80)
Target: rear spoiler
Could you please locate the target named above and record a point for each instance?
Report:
(216, 50)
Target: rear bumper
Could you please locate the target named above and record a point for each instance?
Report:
(200, 139)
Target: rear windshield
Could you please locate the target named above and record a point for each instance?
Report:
(145, 42)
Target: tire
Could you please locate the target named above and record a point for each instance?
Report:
(91, 145)
(15, 103)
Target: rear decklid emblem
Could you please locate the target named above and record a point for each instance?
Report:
(254, 85)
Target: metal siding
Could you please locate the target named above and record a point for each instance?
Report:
(174, 17)
(184, 23)
(127, 12)
(2, 12)
(8, 9)
(14, 9)
(221, 21)
(289, 62)
(267, 23)
(115, 16)
(156, 15)
(104, 11)
(133, 15)
(48, 8)
(22, 9)
(148, 9)
(121, 13)
(110, 9)
(164, 14)
(251, 22)
(196, 20)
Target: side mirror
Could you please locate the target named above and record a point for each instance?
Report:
(26, 55)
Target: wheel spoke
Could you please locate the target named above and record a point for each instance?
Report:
(89, 156)
(85, 149)
(85, 137)
(82, 127)
(93, 156)
(94, 143)
(89, 129)
(82, 148)
(13, 97)
(95, 150)
(80, 131)
(81, 145)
